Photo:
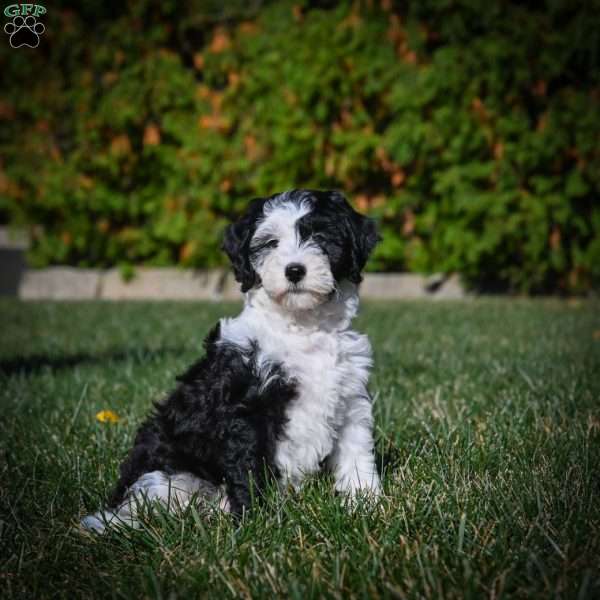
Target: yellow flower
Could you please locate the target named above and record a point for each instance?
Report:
(107, 416)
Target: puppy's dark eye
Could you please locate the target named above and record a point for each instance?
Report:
(260, 246)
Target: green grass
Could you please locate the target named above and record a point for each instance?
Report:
(488, 414)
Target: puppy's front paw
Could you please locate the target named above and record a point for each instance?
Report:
(358, 492)
(93, 524)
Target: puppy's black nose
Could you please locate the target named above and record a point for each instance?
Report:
(295, 272)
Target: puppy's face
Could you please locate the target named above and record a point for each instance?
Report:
(298, 245)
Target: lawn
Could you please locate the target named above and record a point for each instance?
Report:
(488, 423)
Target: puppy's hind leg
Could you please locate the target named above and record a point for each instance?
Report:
(173, 492)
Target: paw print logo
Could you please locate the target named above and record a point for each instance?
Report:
(24, 31)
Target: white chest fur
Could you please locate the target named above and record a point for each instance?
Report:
(328, 369)
(330, 364)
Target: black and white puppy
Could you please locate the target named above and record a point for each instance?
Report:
(282, 388)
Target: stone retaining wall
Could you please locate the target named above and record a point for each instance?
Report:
(69, 283)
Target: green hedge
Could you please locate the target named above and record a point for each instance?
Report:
(471, 130)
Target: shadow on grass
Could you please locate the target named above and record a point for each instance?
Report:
(31, 365)
(388, 457)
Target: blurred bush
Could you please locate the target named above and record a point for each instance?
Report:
(137, 130)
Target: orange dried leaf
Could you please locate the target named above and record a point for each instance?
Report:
(330, 166)
(408, 226)
(362, 202)
(248, 28)
(55, 153)
(86, 182)
(220, 41)
(171, 205)
(384, 160)
(213, 122)
(540, 88)
(555, 237)
(409, 57)
(42, 125)
(202, 92)
(395, 32)
(199, 61)
(352, 21)
(251, 147)
(119, 57)
(109, 78)
(186, 251)
(498, 150)
(151, 135)
(120, 145)
(216, 99)
(398, 178)
(479, 109)
(542, 122)
(377, 201)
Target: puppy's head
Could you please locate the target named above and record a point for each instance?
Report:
(298, 245)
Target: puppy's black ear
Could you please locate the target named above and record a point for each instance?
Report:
(236, 244)
(364, 231)
(362, 235)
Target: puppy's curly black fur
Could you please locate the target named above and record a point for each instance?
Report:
(220, 424)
